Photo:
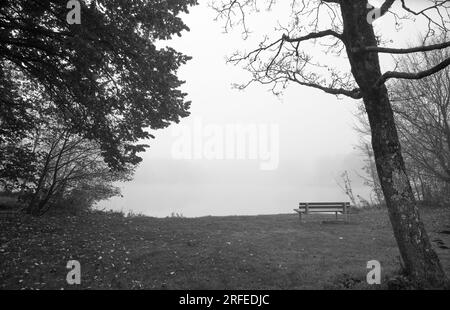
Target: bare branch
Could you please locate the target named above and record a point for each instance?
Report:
(313, 35)
(355, 93)
(440, 8)
(386, 6)
(402, 50)
(413, 76)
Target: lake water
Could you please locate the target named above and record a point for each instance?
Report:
(205, 199)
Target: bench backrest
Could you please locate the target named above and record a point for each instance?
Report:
(324, 206)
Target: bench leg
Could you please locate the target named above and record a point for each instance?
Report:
(336, 215)
(300, 216)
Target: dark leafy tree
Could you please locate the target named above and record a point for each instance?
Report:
(343, 31)
(17, 161)
(105, 78)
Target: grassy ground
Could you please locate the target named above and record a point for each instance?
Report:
(238, 252)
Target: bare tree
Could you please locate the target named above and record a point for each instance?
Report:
(422, 115)
(422, 112)
(345, 27)
(68, 162)
(345, 184)
(370, 176)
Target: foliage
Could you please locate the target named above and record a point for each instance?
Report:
(105, 78)
(76, 100)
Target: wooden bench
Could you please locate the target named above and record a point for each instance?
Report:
(320, 207)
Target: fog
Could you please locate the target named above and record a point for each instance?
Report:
(314, 140)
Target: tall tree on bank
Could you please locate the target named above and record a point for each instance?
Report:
(347, 25)
(104, 78)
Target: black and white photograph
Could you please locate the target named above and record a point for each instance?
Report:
(224, 152)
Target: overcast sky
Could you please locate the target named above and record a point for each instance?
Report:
(307, 135)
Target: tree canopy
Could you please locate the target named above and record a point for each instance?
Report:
(309, 43)
(105, 79)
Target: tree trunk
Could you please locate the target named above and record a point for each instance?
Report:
(420, 261)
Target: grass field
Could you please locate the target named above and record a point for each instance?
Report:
(236, 252)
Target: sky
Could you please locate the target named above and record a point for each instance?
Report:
(242, 152)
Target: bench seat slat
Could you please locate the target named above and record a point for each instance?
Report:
(322, 207)
(323, 203)
(321, 210)
(318, 206)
